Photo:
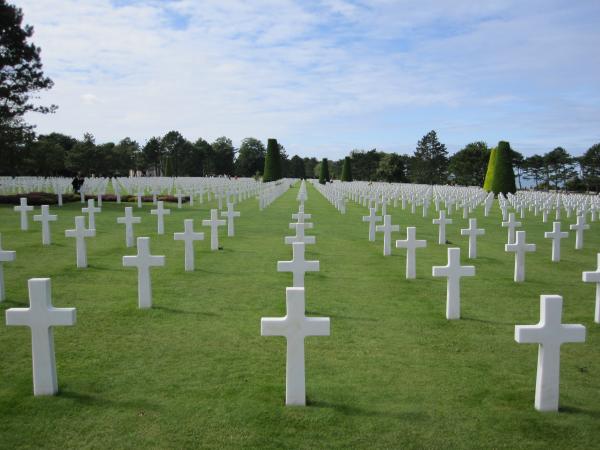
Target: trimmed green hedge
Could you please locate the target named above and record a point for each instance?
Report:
(272, 170)
(347, 169)
(500, 176)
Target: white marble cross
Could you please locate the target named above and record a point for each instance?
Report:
(298, 265)
(214, 223)
(550, 334)
(295, 327)
(594, 277)
(301, 216)
(91, 210)
(454, 272)
(512, 224)
(80, 233)
(143, 261)
(179, 196)
(556, 235)
(45, 217)
(129, 220)
(411, 244)
(230, 214)
(189, 236)
(387, 229)
(160, 213)
(41, 316)
(519, 248)
(139, 198)
(300, 236)
(579, 227)
(5, 256)
(442, 221)
(372, 218)
(472, 232)
(24, 208)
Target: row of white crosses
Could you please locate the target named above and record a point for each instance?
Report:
(295, 326)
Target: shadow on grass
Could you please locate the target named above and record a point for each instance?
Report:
(9, 303)
(91, 400)
(575, 410)
(336, 316)
(493, 322)
(356, 411)
(182, 311)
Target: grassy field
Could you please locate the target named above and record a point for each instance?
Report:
(195, 372)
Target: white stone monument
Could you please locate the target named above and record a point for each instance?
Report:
(160, 212)
(188, 237)
(5, 256)
(519, 248)
(411, 244)
(91, 211)
(41, 316)
(472, 232)
(372, 218)
(512, 225)
(454, 272)
(298, 265)
(579, 227)
(387, 229)
(300, 236)
(143, 261)
(214, 223)
(80, 233)
(442, 221)
(295, 327)
(588, 277)
(24, 208)
(45, 217)
(550, 334)
(556, 235)
(230, 214)
(129, 220)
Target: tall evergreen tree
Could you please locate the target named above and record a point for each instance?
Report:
(468, 165)
(430, 160)
(501, 173)
(272, 170)
(347, 169)
(21, 75)
(324, 176)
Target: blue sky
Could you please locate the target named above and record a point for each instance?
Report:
(324, 77)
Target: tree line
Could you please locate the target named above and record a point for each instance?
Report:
(22, 152)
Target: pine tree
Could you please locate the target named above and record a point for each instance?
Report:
(324, 177)
(430, 160)
(272, 170)
(347, 169)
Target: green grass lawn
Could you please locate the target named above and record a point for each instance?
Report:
(195, 372)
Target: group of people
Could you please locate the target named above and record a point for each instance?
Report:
(77, 183)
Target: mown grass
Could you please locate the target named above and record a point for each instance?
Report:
(195, 372)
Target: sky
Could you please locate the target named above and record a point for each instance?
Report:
(323, 77)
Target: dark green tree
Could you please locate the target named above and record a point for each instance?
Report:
(224, 154)
(347, 169)
(251, 158)
(324, 173)
(559, 167)
(391, 168)
(272, 171)
(21, 75)
(590, 168)
(176, 148)
(430, 160)
(309, 166)
(153, 155)
(365, 164)
(297, 167)
(534, 169)
(501, 173)
(202, 159)
(83, 156)
(468, 166)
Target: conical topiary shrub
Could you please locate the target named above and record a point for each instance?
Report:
(487, 183)
(500, 176)
(347, 169)
(272, 170)
(324, 176)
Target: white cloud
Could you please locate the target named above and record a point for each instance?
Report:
(295, 70)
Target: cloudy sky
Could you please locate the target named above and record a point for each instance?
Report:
(324, 77)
